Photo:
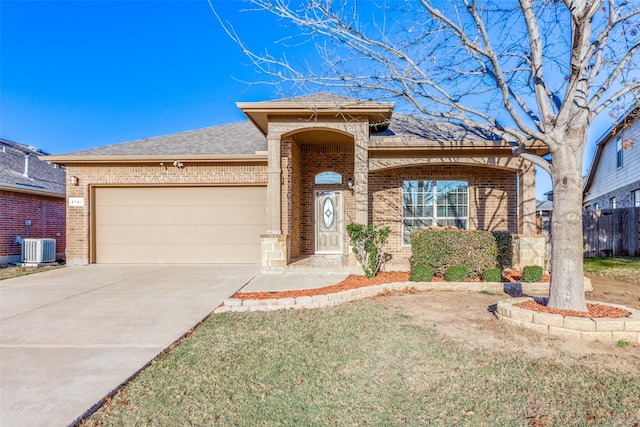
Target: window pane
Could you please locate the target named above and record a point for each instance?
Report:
(328, 178)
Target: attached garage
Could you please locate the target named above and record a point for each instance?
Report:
(179, 224)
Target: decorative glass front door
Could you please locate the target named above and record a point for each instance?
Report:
(328, 222)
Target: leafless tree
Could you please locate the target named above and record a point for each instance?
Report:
(528, 71)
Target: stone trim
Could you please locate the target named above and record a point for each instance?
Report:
(332, 299)
(603, 329)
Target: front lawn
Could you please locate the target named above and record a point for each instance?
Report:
(364, 363)
(620, 268)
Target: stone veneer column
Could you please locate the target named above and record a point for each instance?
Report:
(274, 176)
(527, 200)
(274, 243)
(361, 173)
(529, 247)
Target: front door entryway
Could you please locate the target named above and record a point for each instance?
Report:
(328, 222)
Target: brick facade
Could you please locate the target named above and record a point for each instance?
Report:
(142, 174)
(493, 194)
(47, 215)
(492, 198)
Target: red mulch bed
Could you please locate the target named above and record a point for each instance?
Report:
(514, 276)
(356, 281)
(596, 311)
(351, 282)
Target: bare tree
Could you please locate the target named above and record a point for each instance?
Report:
(528, 71)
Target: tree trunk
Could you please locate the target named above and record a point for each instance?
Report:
(567, 281)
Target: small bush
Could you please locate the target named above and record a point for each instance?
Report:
(367, 242)
(532, 273)
(456, 273)
(492, 275)
(421, 273)
(504, 242)
(440, 247)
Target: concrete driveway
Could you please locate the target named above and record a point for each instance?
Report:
(69, 337)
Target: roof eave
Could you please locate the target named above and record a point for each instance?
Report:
(258, 112)
(71, 159)
(28, 190)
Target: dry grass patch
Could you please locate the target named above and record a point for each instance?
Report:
(10, 271)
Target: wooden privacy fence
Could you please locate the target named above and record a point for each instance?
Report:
(611, 232)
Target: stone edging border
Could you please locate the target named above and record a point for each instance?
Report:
(605, 330)
(329, 300)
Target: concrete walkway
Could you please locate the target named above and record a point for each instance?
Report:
(69, 337)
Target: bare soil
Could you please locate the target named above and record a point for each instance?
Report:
(467, 318)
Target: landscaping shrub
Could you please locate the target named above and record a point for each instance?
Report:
(492, 275)
(367, 242)
(456, 273)
(532, 273)
(440, 247)
(504, 242)
(421, 273)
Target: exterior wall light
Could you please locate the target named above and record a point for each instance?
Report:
(350, 184)
(74, 180)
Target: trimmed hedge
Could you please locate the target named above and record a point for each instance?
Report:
(441, 247)
(421, 273)
(504, 241)
(532, 273)
(492, 275)
(456, 273)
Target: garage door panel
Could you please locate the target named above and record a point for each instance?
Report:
(179, 224)
(189, 254)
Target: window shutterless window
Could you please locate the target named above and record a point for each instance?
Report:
(635, 198)
(426, 203)
(619, 151)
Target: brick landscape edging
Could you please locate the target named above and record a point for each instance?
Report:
(329, 300)
(602, 329)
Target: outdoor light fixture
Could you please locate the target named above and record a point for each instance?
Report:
(74, 180)
(350, 184)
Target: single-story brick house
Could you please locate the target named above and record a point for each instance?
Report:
(282, 186)
(32, 200)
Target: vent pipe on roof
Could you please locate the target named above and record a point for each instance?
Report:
(26, 165)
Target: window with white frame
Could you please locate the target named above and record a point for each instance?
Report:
(613, 202)
(619, 151)
(635, 198)
(426, 202)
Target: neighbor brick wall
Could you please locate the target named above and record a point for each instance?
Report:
(47, 215)
(202, 173)
(492, 198)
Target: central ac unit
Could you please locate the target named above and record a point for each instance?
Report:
(38, 250)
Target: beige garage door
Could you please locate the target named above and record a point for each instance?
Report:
(179, 224)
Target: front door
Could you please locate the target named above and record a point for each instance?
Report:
(328, 222)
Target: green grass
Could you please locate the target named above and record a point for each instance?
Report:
(359, 364)
(8, 272)
(620, 268)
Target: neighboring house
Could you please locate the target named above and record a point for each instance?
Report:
(614, 176)
(282, 186)
(32, 200)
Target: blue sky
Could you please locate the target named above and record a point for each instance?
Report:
(82, 74)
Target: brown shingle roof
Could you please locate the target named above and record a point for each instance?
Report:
(233, 138)
(405, 127)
